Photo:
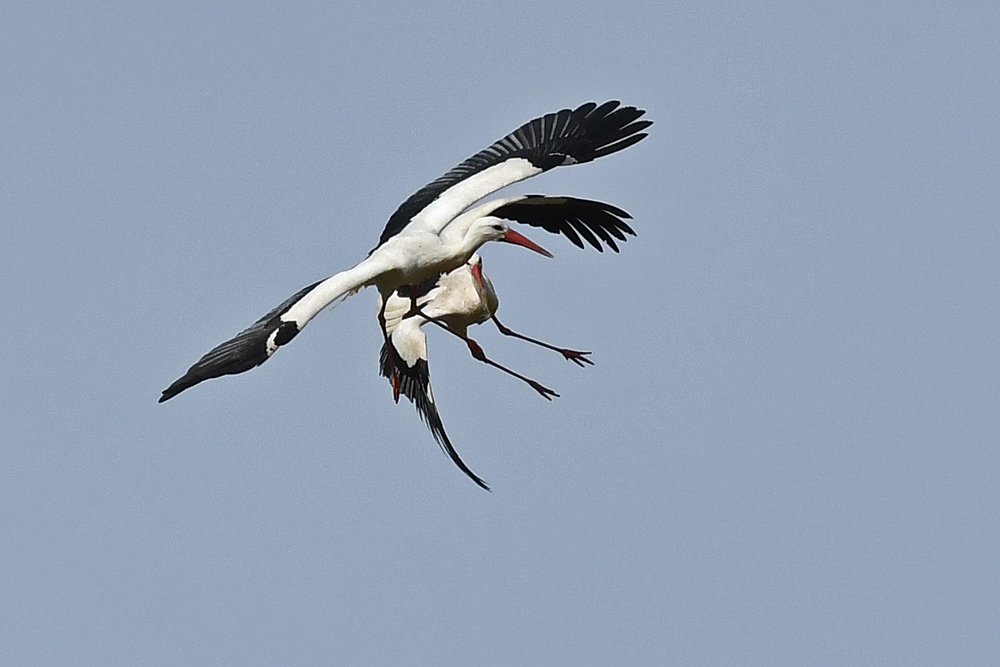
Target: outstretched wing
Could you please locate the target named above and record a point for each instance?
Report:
(564, 137)
(572, 217)
(247, 349)
(406, 353)
(253, 346)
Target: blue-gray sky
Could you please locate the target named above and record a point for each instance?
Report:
(786, 453)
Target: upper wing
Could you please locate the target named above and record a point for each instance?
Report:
(248, 349)
(408, 356)
(564, 137)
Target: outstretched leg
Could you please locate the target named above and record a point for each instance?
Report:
(478, 353)
(572, 355)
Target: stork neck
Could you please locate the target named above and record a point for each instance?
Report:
(461, 236)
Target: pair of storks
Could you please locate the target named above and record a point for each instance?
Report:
(425, 265)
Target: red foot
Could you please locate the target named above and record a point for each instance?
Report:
(546, 393)
(577, 358)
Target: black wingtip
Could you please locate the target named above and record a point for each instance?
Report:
(170, 392)
(244, 351)
(482, 484)
(577, 219)
(414, 383)
(605, 129)
(187, 381)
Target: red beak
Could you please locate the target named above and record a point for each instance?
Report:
(513, 237)
(477, 272)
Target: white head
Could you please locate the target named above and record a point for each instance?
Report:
(489, 229)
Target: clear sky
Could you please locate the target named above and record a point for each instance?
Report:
(786, 453)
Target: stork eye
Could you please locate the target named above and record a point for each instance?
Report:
(498, 227)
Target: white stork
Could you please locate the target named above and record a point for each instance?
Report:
(434, 231)
(454, 301)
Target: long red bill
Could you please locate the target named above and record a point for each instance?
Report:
(477, 272)
(513, 237)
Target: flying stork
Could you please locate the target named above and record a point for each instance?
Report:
(454, 301)
(435, 231)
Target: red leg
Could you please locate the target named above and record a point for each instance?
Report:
(477, 353)
(571, 355)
